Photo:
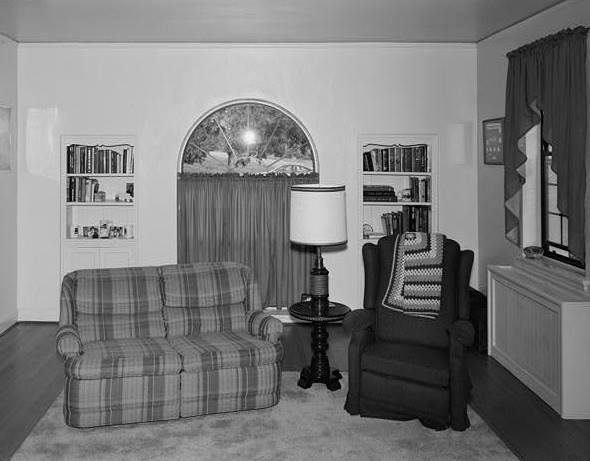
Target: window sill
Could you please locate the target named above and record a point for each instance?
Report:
(281, 314)
(555, 272)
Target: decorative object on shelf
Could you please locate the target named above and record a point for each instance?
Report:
(493, 141)
(532, 252)
(367, 230)
(5, 138)
(318, 218)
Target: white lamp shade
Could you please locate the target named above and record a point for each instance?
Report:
(318, 214)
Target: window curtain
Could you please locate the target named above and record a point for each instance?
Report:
(547, 79)
(244, 219)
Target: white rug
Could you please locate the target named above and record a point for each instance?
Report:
(306, 425)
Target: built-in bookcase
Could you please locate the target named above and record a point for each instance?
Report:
(398, 184)
(99, 212)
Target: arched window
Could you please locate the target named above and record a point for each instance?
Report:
(248, 137)
(236, 168)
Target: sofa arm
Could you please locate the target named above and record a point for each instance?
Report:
(68, 341)
(264, 326)
(463, 332)
(359, 319)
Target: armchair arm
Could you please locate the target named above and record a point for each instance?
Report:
(359, 319)
(463, 332)
(264, 326)
(68, 341)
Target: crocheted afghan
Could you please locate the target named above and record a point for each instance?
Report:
(415, 283)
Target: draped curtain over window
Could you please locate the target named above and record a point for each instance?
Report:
(244, 219)
(547, 79)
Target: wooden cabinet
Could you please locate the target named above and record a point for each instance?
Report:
(99, 217)
(539, 329)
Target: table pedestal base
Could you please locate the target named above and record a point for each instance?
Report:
(332, 381)
(320, 371)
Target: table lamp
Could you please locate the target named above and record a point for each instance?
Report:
(318, 218)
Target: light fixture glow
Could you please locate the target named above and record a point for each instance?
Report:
(249, 137)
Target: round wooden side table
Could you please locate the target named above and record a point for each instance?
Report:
(319, 371)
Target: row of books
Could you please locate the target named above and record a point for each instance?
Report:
(378, 193)
(83, 159)
(81, 189)
(419, 191)
(397, 158)
(409, 219)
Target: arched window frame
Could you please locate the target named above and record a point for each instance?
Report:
(290, 115)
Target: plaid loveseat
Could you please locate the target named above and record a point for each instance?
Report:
(154, 343)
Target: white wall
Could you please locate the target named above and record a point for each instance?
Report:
(156, 92)
(492, 66)
(8, 195)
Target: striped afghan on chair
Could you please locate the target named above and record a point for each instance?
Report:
(416, 275)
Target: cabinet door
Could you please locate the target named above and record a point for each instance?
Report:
(75, 258)
(117, 257)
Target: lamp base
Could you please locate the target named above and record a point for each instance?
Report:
(319, 285)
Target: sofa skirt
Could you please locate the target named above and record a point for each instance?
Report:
(133, 399)
(230, 389)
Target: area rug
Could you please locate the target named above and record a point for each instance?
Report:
(307, 424)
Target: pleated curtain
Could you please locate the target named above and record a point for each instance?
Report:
(244, 219)
(546, 81)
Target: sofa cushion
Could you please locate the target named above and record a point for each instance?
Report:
(429, 365)
(118, 303)
(228, 349)
(118, 358)
(183, 322)
(202, 284)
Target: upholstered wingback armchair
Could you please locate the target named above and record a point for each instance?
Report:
(404, 366)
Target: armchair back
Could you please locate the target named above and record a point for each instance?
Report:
(397, 327)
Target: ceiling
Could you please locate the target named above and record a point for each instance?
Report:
(262, 21)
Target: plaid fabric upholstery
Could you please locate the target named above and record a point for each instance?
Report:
(230, 389)
(183, 322)
(68, 341)
(100, 402)
(264, 326)
(66, 300)
(227, 349)
(209, 284)
(118, 358)
(118, 303)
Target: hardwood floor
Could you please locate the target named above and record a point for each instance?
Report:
(31, 377)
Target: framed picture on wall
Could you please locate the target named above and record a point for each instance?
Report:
(493, 141)
(4, 138)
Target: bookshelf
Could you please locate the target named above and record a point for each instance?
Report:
(398, 184)
(99, 216)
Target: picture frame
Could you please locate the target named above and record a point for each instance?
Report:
(493, 141)
(5, 139)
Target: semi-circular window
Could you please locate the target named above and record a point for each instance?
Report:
(248, 137)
